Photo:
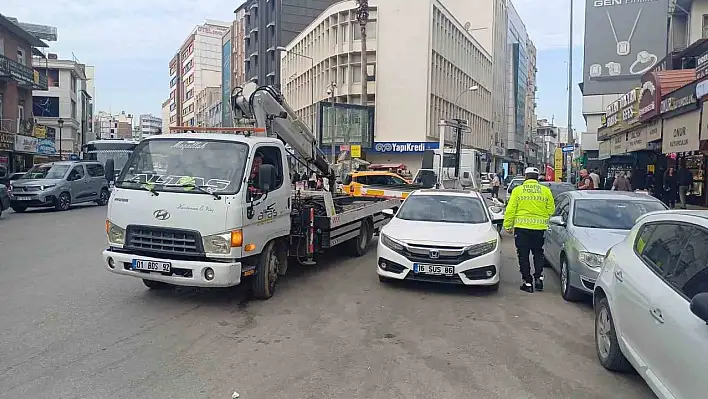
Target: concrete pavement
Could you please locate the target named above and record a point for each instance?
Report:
(69, 329)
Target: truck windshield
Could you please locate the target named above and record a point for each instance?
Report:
(167, 164)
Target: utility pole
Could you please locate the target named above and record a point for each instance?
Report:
(569, 169)
(362, 15)
(459, 124)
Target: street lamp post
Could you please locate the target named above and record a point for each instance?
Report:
(312, 82)
(330, 92)
(60, 122)
(458, 129)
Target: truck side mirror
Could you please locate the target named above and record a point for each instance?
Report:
(110, 171)
(266, 177)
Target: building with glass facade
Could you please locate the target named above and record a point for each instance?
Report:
(518, 85)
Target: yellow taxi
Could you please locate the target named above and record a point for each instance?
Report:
(354, 181)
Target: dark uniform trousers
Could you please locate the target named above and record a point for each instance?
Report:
(529, 242)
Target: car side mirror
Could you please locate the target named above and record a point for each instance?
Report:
(699, 306)
(266, 177)
(110, 169)
(388, 213)
(557, 220)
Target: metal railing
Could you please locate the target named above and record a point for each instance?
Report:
(22, 74)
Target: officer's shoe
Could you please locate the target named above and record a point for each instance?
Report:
(538, 283)
(526, 287)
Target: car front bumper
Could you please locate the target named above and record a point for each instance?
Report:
(480, 271)
(582, 276)
(33, 198)
(185, 273)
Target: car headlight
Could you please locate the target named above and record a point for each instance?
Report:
(482, 249)
(591, 259)
(217, 243)
(390, 243)
(116, 234)
(48, 186)
(495, 209)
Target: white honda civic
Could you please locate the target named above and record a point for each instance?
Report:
(445, 236)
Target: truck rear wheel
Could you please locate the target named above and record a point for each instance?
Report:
(263, 283)
(359, 245)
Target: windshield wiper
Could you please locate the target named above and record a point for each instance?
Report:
(151, 189)
(201, 189)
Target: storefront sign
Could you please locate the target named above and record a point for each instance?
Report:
(704, 122)
(620, 115)
(26, 144)
(649, 97)
(701, 89)
(637, 139)
(681, 133)
(405, 147)
(40, 131)
(702, 66)
(680, 101)
(46, 147)
(605, 150)
(619, 144)
(558, 164)
(653, 131)
(7, 141)
(498, 151)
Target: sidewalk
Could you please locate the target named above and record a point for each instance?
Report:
(695, 207)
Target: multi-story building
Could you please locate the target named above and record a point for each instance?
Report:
(530, 115)
(270, 24)
(17, 80)
(66, 104)
(411, 90)
(166, 116)
(205, 101)
(149, 125)
(233, 62)
(546, 137)
(518, 86)
(196, 65)
(114, 126)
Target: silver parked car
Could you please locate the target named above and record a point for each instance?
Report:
(59, 185)
(585, 225)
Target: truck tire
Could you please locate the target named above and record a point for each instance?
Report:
(358, 246)
(263, 283)
(155, 285)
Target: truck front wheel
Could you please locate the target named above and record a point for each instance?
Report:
(266, 276)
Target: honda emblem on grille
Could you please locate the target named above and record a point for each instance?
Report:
(161, 214)
(434, 254)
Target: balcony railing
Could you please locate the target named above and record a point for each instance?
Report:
(22, 74)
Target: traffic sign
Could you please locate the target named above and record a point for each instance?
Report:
(569, 148)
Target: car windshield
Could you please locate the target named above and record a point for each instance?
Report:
(46, 171)
(443, 208)
(611, 213)
(167, 164)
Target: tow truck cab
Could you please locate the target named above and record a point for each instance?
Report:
(197, 209)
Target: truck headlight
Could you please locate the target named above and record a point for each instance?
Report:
(217, 243)
(116, 234)
(482, 249)
(590, 259)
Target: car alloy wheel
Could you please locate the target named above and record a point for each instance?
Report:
(64, 201)
(603, 329)
(564, 276)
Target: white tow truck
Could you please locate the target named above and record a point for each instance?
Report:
(210, 209)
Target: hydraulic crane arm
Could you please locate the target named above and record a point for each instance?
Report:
(266, 105)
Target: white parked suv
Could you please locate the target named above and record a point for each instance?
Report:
(651, 304)
(445, 236)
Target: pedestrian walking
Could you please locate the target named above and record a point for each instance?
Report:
(595, 176)
(496, 183)
(670, 188)
(526, 215)
(685, 183)
(621, 183)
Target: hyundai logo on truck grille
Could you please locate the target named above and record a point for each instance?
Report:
(161, 214)
(434, 254)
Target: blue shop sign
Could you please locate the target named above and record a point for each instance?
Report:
(404, 146)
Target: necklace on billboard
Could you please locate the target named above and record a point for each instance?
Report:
(623, 46)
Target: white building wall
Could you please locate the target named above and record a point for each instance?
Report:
(166, 117)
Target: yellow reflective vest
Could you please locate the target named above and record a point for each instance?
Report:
(529, 207)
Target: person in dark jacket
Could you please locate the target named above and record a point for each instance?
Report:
(649, 183)
(685, 183)
(670, 188)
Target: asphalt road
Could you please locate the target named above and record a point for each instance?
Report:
(69, 329)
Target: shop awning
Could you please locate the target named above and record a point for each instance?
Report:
(675, 79)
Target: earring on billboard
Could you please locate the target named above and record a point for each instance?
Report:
(644, 59)
(624, 46)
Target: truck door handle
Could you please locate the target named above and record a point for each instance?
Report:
(619, 276)
(656, 314)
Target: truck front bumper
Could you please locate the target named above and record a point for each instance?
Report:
(185, 273)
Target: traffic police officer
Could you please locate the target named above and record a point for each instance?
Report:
(527, 212)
